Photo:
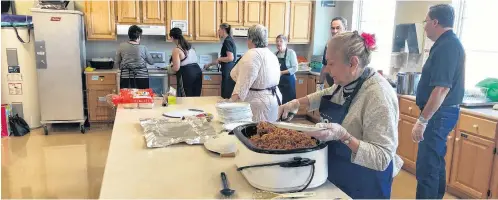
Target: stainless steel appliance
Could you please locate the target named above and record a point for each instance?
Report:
(407, 83)
(60, 60)
(158, 75)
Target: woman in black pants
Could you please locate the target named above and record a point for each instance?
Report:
(188, 72)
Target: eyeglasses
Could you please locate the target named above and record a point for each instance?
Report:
(335, 28)
(427, 20)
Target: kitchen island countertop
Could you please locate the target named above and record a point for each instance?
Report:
(180, 171)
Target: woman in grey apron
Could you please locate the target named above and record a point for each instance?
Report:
(132, 59)
(359, 115)
(288, 66)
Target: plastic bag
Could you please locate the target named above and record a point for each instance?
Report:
(18, 126)
(492, 85)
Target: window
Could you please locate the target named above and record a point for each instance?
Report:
(475, 24)
(376, 17)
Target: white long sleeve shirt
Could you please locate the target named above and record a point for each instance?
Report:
(259, 69)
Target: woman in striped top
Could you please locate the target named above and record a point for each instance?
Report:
(132, 59)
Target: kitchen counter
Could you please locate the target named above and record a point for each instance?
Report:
(103, 71)
(487, 112)
(180, 171)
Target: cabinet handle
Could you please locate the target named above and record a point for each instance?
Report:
(457, 139)
(190, 35)
(464, 135)
(449, 137)
(410, 108)
(475, 126)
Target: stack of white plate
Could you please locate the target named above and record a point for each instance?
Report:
(234, 112)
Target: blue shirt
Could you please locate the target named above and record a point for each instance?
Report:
(445, 67)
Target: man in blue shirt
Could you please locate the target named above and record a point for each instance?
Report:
(439, 93)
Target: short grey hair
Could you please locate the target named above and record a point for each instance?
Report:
(258, 35)
(283, 37)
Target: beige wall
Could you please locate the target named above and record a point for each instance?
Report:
(23, 7)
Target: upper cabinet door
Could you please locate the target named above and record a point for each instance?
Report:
(300, 22)
(153, 12)
(277, 21)
(181, 10)
(254, 12)
(128, 12)
(100, 22)
(207, 20)
(233, 12)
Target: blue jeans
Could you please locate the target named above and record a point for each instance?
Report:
(431, 166)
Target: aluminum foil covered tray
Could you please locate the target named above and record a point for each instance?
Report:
(162, 132)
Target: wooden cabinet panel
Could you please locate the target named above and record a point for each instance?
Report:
(181, 10)
(471, 165)
(207, 20)
(101, 79)
(153, 12)
(254, 12)
(479, 126)
(212, 79)
(233, 12)
(408, 107)
(450, 144)
(407, 149)
(98, 110)
(277, 20)
(300, 21)
(100, 22)
(494, 179)
(211, 90)
(301, 91)
(128, 12)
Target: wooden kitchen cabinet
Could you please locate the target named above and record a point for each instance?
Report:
(471, 166)
(277, 20)
(301, 91)
(128, 12)
(207, 20)
(233, 12)
(448, 158)
(407, 149)
(181, 10)
(494, 179)
(211, 90)
(301, 14)
(153, 12)
(99, 19)
(98, 85)
(254, 12)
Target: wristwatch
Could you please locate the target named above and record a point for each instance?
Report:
(423, 120)
(348, 140)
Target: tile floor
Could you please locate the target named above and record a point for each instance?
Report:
(68, 164)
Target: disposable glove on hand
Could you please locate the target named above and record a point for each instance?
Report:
(289, 107)
(418, 131)
(331, 132)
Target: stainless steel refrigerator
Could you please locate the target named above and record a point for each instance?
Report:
(60, 61)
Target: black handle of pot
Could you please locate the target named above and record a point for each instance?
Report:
(295, 162)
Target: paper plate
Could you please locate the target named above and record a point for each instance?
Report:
(224, 144)
(297, 126)
(231, 126)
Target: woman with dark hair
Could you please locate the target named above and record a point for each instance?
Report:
(132, 59)
(226, 60)
(184, 63)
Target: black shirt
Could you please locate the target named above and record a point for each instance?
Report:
(445, 67)
(228, 46)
